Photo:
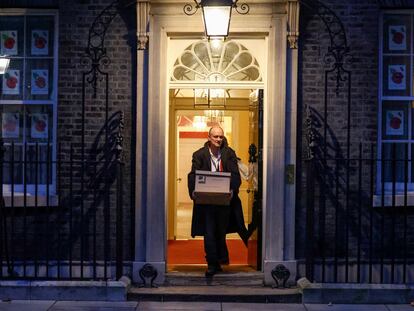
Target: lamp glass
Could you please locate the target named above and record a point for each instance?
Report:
(217, 20)
(200, 97)
(217, 98)
(4, 64)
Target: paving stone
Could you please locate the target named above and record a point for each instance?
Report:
(262, 307)
(178, 305)
(26, 305)
(340, 307)
(94, 306)
(402, 307)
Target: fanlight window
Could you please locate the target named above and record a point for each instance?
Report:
(212, 61)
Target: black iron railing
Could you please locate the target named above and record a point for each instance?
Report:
(358, 217)
(61, 213)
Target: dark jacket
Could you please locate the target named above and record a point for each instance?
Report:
(201, 161)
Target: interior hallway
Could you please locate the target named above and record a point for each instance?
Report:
(186, 250)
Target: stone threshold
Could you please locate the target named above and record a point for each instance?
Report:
(65, 290)
(229, 278)
(217, 293)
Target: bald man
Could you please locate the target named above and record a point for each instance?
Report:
(212, 221)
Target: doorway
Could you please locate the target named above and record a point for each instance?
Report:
(238, 112)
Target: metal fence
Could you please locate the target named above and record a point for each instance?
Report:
(61, 214)
(62, 209)
(357, 216)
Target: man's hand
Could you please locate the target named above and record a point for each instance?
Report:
(230, 194)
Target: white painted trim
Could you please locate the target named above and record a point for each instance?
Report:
(291, 150)
(399, 99)
(156, 148)
(271, 27)
(227, 85)
(274, 143)
(400, 200)
(139, 228)
(17, 12)
(53, 101)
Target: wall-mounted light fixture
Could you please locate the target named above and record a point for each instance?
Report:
(216, 15)
(4, 64)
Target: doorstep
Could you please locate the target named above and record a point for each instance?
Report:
(234, 284)
(218, 293)
(229, 278)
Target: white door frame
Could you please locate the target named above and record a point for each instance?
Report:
(269, 21)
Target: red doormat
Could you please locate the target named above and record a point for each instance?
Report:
(192, 252)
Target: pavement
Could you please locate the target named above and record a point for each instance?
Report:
(51, 305)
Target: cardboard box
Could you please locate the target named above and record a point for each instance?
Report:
(212, 188)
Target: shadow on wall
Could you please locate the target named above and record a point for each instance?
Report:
(340, 193)
(83, 225)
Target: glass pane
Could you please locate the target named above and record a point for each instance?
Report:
(188, 60)
(200, 97)
(397, 33)
(216, 47)
(39, 120)
(396, 76)
(395, 120)
(231, 51)
(182, 73)
(13, 164)
(37, 163)
(11, 35)
(12, 123)
(39, 79)
(393, 156)
(202, 53)
(191, 61)
(243, 60)
(40, 34)
(11, 86)
(248, 74)
(230, 69)
(207, 60)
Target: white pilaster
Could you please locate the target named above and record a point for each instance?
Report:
(278, 216)
(150, 211)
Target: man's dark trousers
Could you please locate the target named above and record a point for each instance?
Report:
(217, 219)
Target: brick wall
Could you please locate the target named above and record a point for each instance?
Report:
(360, 22)
(342, 193)
(84, 222)
(75, 20)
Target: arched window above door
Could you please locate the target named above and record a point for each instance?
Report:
(216, 61)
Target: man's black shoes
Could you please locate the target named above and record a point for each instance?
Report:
(213, 269)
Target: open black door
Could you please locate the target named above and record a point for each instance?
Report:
(256, 183)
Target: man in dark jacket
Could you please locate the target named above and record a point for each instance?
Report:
(212, 221)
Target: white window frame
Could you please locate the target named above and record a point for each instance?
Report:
(33, 196)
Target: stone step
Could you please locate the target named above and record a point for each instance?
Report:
(234, 275)
(232, 278)
(218, 293)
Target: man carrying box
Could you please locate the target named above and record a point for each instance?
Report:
(211, 220)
